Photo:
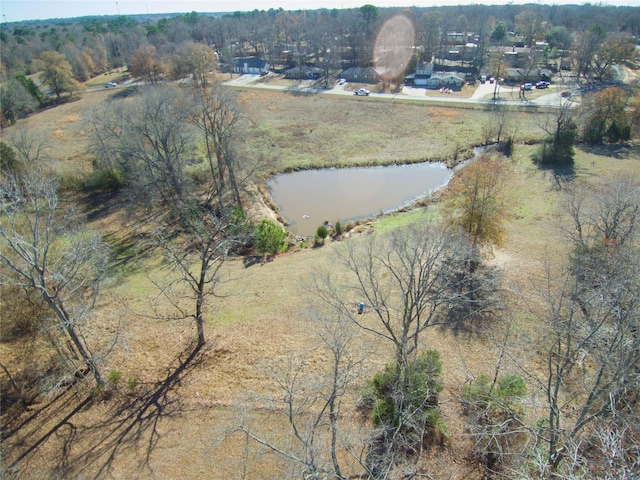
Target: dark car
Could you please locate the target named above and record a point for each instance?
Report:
(541, 85)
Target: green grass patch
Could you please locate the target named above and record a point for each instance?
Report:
(113, 76)
(401, 219)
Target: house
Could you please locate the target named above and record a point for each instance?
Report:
(361, 75)
(517, 75)
(458, 53)
(251, 65)
(448, 80)
(304, 73)
(423, 74)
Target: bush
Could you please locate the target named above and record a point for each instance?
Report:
(114, 377)
(132, 383)
(422, 385)
(8, 159)
(404, 403)
(492, 410)
(506, 147)
(322, 233)
(269, 238)
(339, 229)
(557, 150)
(105, 179)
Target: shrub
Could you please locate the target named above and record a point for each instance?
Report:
(322, 233)
(105, 179)
(404, 403)
(339, 229)
(269, 238)
(556, 150)
(421, 383)
(114, 377)
(506, 147)
(8, 158)
(492, 411)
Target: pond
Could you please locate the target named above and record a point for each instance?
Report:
(311, 197)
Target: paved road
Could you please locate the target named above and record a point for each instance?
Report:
(482, 95)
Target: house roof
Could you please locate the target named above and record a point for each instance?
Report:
(534, 72)
(305, 70)
(251, 62)
(442, 76)
(368, 71)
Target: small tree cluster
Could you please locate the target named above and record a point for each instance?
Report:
(605, 118)
(557, 150)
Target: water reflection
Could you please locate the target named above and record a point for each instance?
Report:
(308, 198)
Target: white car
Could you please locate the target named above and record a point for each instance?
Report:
(362, 91)
(110, 84)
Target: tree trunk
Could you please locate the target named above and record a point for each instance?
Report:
(75, 339)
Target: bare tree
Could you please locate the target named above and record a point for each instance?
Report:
(30, 148)
(219, 118)
(591, 345)
(312, 401)
(149, 142)
(196, 258)
(47, 251)
(587, 45)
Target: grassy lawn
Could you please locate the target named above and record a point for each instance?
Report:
(117, 76)
(330, 131)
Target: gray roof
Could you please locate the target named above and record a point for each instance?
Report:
(251, 62)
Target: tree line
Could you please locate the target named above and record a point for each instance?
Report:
(71, 52)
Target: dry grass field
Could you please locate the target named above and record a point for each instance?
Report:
(180, 419)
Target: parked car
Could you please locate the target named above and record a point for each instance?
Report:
(361, 91)
(110, 84)
(526, 86)
(342, 81)
(542, 84)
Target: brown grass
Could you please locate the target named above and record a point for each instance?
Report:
(177, 422)
(324, 131)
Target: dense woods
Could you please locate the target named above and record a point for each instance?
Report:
(591, 36)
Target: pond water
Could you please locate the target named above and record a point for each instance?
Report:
(311, 197)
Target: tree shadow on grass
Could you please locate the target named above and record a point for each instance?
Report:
(616, 151)
(91, 448)
(562, 175)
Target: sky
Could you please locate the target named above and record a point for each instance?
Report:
(18, 10)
